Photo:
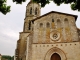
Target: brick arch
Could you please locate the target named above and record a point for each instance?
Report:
(55, 50)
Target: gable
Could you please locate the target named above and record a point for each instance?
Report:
(55, 22)
(54, 17)
(54, 12)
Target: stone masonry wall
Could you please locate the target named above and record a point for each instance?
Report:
(67, 30)
(70, 51)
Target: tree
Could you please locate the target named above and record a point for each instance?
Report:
(7, 57)
(3, 7)
(75, 4)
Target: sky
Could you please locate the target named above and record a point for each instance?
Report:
(12, 23)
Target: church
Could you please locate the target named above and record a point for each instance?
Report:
(52, 36)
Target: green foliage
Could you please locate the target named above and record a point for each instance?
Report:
(19, 1)
(6, 57)
(42, 2)
(3, 7)
(75, 4)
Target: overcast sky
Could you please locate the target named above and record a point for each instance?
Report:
(12, 23)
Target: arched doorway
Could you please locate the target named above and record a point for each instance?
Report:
(55, 56)
(55, 52)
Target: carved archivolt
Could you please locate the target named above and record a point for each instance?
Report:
(55, 50)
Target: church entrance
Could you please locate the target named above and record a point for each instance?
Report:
(55, 56)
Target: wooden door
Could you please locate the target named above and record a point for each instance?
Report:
(55, 56)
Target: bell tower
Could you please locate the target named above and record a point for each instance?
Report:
(33, 11)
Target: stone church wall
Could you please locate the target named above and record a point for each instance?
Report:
(78, 30)
(45, 35)
(70, 51)
(65, 26)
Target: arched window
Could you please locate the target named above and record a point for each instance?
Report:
(36, 11)
(29, 24)
(31, 10)
(58, 23)
(52, 20)
(48, 25)
(41, 24)
(66, 22)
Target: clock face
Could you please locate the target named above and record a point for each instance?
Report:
(55, 36)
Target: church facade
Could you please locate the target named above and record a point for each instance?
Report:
(52, 36)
